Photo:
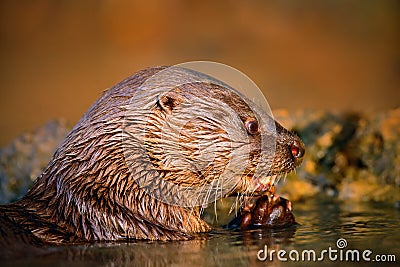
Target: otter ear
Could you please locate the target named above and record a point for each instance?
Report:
(167, 102)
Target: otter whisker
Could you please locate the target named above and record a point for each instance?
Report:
(215, 205)
(278, 178)
(285, 176)
(233, 205)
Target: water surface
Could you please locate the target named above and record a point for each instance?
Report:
(372, 227)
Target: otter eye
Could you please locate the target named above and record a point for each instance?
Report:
(251, 126)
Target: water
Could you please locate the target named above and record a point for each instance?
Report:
(374, 227)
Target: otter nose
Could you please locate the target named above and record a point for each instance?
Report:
(297, 149)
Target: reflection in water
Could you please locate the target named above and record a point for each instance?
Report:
(374, 227)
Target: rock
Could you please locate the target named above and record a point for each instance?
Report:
(26, 157)
(351, 156)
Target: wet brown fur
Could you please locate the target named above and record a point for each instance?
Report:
(87, 193)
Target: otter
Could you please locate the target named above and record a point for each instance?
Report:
(118, 173)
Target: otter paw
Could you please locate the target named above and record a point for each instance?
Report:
(268, 212)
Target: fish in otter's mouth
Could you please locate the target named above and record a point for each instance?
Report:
(148, 154)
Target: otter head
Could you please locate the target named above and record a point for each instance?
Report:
(204, 140)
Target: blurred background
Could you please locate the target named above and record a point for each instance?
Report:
(58, 56)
